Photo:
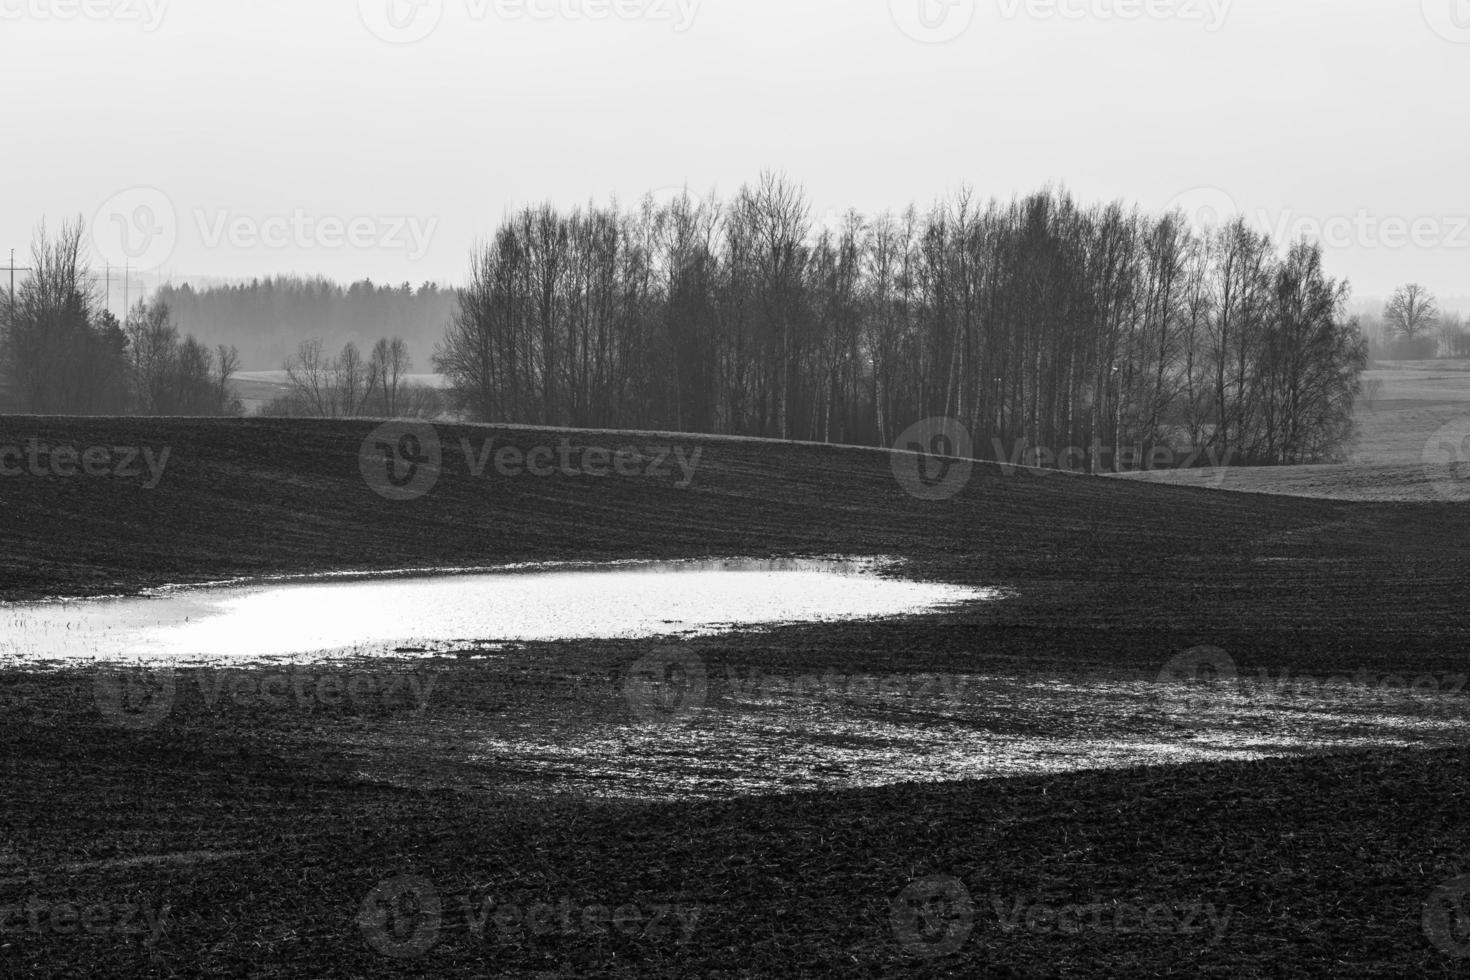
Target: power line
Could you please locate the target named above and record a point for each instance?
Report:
(107, 277)
(13, 269)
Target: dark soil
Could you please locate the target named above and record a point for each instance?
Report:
(262, 830)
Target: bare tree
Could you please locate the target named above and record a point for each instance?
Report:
(172, 374)
(1454, 339)
(350, 375)
(152, 355)
(1411, 312)
(1036, 323)
(387, 368)
(311, 378)
(227, 362)
(59, 351)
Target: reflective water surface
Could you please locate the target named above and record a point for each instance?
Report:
(323, 617)
(562, 725)
(754, 739)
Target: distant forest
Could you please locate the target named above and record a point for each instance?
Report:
(177, 353)
(1038, 323)
(267, 319)
(1035, 323)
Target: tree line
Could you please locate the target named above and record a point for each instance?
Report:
(266, 318)
(347, 385)
(1036, 323)
(1412, 328)
(63, 353)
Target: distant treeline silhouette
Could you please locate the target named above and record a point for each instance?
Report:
(63, 353)
(1035, 323)
(1039, 324)
(266, 319)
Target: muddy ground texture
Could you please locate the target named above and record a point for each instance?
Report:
(239, 832)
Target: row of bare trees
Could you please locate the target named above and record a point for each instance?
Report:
(174, 375)
(63, 353)
(1036, 323)
(347, 385)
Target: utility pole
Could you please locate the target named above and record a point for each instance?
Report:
(13, 269)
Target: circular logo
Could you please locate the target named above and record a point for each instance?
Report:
(1447, 460)
(1450, 19)
(674, 206)
(665, 198)
(1199, 665)
(933, 917)
(401, 461)
(401, 21)
(934, 459)
(668, 685)
(137, 228)
(137, 699)
(933, 21)
(1206, 210)
(829, 222)
(1447, 918)
(1200, 674)
(402, 917)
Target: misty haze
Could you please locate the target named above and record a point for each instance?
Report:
(668, 488)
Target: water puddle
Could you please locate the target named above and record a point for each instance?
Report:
(323, 617)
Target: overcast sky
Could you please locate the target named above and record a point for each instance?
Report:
(381, 138)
